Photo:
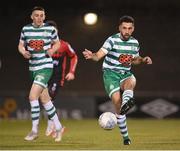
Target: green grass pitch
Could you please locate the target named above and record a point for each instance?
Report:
(146, 134)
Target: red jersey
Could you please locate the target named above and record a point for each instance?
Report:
(60, 61)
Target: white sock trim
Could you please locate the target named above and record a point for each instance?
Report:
(48, 105)
(34, 103)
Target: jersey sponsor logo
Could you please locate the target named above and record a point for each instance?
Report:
(37, 45)
(125, 59)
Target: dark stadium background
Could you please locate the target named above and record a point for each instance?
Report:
(157, 27)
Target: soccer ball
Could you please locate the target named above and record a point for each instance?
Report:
(107, 120)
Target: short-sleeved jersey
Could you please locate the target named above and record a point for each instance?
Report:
(37, 40)
(119, 53)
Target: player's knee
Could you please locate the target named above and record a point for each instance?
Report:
(44, 98)
(129, 83)
(32, 97)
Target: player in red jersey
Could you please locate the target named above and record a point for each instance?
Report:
(59, 72)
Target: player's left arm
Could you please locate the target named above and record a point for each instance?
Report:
(141, 60)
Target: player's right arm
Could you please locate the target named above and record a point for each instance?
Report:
(94, 56)
(26, 54)
(140, 60)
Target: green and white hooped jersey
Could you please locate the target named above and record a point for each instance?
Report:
(37, 41)
(119, 53)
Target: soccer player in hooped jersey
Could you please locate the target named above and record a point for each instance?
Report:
(59, 71)
(121, 50)
(38, 42)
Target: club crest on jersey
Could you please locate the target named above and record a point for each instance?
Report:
(134, 48)
(45, 33)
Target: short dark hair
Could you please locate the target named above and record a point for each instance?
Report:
(52, 23)
(38, 8)
(127, 19)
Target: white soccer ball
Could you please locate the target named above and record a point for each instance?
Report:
(107, 120)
